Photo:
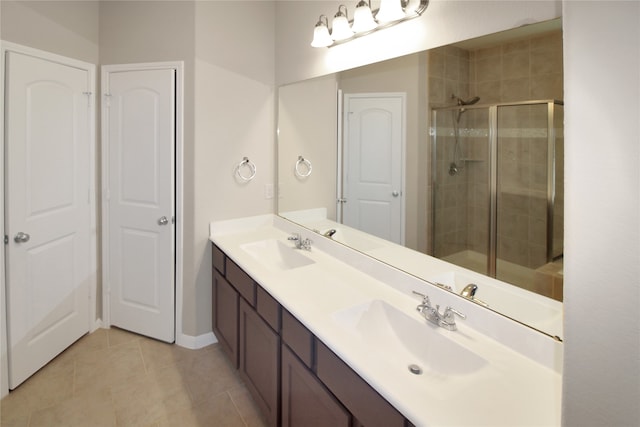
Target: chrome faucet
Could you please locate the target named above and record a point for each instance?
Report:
(329, 233)
(300, 242)
(469, 292)
(445, 320)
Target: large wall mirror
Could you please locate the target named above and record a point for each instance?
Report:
(455, 153)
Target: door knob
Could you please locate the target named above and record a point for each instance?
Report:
(163, 220)
(395, 194)
(21, 237)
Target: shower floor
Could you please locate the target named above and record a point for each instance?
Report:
(545, 280)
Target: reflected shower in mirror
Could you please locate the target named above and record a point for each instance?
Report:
(464, 143)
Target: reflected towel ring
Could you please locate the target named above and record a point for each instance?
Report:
(248, 164)
(306, 163)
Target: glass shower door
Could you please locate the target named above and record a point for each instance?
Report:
(524, 191)
(461, 187)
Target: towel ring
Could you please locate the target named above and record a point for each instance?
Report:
(247, 164)
(306, 163)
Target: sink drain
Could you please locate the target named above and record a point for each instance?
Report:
(415, 369)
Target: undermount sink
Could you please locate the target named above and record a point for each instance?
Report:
(275, 255)
(400, 339)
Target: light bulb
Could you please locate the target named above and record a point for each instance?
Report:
(340, 28)
(363, 18)
(390, 10)
(321, 37)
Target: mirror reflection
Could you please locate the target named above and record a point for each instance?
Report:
(456, 152)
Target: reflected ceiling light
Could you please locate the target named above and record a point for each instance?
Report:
(391, 12)
(341, 29)
(363, 18)
(321, 37)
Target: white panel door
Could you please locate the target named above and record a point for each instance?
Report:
(374, 132)
(141, 141)
(48, 210)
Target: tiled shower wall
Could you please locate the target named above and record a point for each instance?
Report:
(521, 70)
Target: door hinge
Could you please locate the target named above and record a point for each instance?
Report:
(88, 98)
(107, 99)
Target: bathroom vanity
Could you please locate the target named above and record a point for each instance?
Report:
(328, 336)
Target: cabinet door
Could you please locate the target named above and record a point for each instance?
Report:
(305, 401)
(364, 403)
(225, 316)
(260, 361)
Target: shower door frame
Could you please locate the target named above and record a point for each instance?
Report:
(493, 173)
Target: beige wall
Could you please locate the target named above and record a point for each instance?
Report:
(601, 383)
(234, 118)
(405, 74)
(68, 28)
(307, 124)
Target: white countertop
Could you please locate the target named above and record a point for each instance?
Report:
(519, 383)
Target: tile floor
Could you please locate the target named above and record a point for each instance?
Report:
(115, 378)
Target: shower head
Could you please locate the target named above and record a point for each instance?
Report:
(461, 103)
(467, 102)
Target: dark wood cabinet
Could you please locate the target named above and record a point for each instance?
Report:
(225, 316)
(294, 378)
(259, 361)
(306, 402)
(298, 338)
(240, 280)
(366, 405)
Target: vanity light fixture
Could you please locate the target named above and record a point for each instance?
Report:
(391, 12)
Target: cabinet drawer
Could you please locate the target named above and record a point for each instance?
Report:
(298, 338)
(306, 402)
(268, 308)
(218, 259)
(241, 281)
(361, 400)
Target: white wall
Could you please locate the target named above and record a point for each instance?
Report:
(602, 213)
(307, 123)
(234, 118)
(68, 28)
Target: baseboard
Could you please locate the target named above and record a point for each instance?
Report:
(196, 342)
(97, 324)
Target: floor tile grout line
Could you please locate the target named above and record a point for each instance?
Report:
(233, 402)
(144, 362)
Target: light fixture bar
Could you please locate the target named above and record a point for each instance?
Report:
(412, 9)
